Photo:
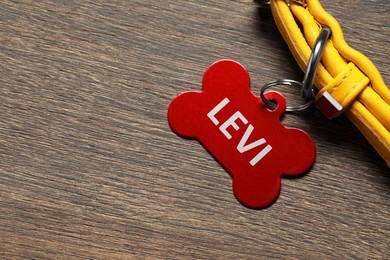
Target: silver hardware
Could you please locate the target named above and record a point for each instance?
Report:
(307, 91)
(284, 82)
(313, 62)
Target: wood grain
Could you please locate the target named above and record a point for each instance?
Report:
(89, 168)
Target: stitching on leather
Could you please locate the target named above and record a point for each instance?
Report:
(342, 80)
(346, 76)
(352, 89)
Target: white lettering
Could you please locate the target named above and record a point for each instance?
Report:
(242, 147)
(216, 109)
(260, 155)
(232, 122)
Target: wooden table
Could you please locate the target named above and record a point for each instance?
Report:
(89, 167)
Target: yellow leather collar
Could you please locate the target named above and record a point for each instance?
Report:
(348, 82)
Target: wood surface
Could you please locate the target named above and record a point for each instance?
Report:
(89, 168)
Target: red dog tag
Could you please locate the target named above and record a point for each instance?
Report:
(246, 137)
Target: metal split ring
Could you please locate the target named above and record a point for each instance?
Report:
(307, 92)
(285, 82)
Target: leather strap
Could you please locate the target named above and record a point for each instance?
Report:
(348, 82)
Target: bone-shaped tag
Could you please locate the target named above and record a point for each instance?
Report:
(244, 136)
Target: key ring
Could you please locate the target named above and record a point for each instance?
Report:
(307, 92)
(285, 82)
